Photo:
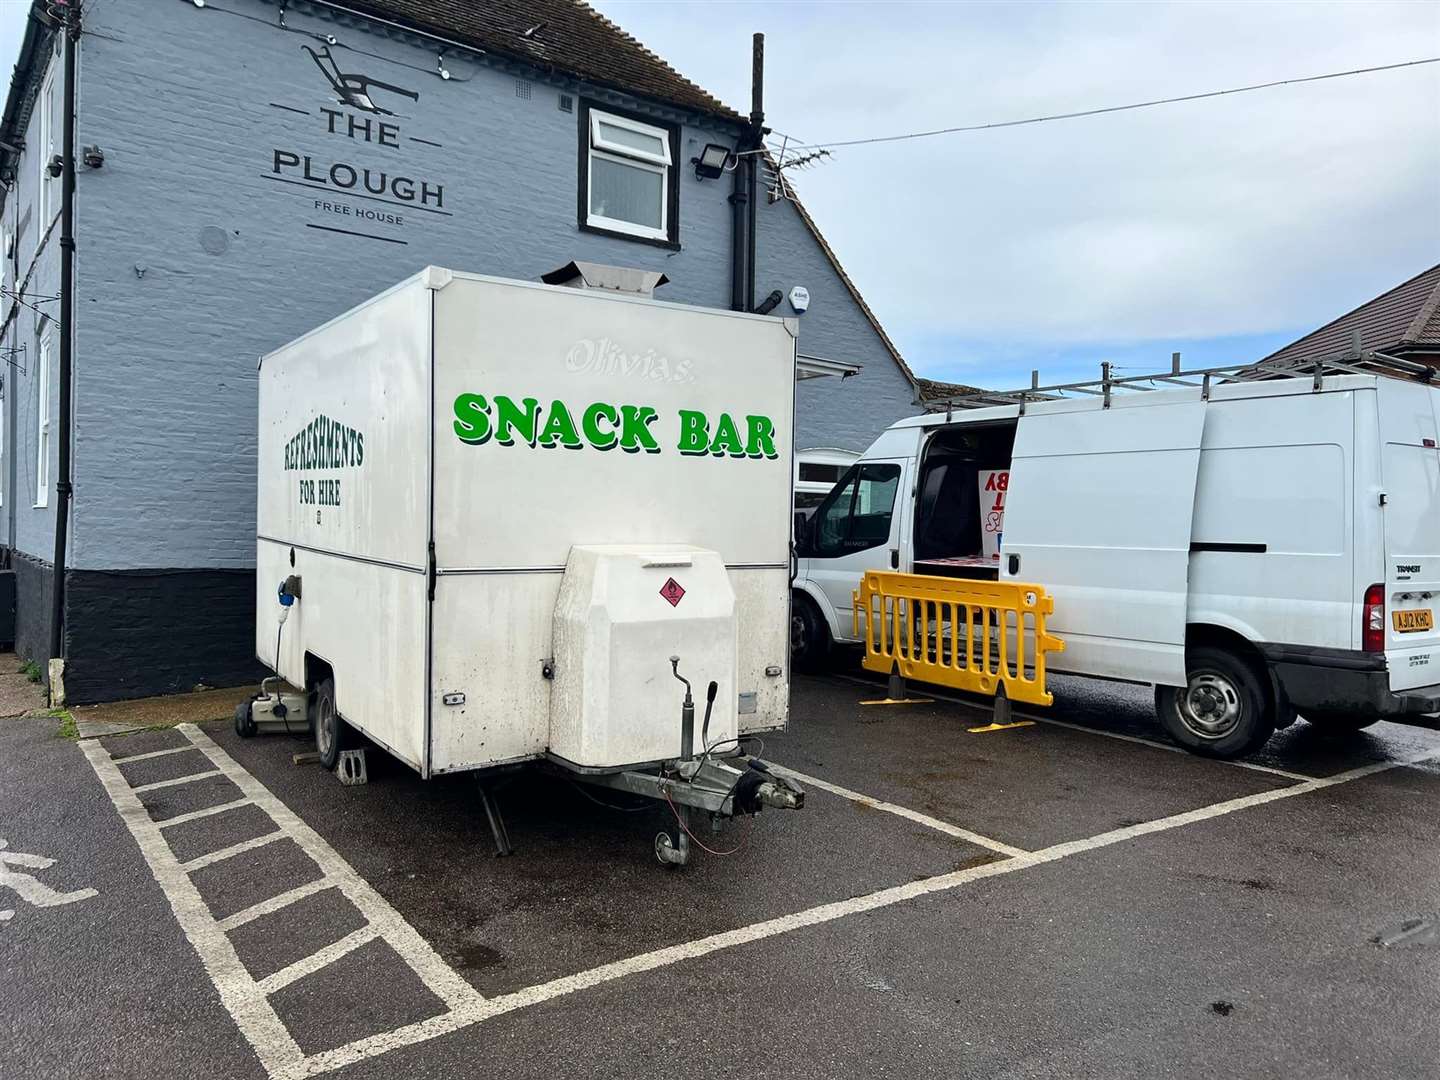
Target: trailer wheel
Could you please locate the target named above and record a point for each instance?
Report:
(331, 732)
(809, 636)
(1223, 711)
(244, 720)
(1339, 723)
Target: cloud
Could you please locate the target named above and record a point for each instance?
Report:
(1244, 216)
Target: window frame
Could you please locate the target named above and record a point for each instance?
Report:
(42, 422)
(589, 116)
(853, 477)
(45, 145)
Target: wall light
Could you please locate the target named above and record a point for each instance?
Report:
(712, 161)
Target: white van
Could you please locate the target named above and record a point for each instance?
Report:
(1252, 544)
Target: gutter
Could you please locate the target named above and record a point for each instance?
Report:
(21, 80)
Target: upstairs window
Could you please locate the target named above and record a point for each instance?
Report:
(627, 177)
(45, 150)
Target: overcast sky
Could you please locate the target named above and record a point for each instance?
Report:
(1222, 228)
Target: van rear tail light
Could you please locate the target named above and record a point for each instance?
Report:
(1372, 625)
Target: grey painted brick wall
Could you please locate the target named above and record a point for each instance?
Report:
(193, 260)
(35, 266)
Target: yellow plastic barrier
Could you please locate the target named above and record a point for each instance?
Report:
(970, 635)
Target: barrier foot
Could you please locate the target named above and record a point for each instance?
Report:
(1000, 719)
(897, 694)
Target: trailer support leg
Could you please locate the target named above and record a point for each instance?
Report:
(675, 852)
(497, 823)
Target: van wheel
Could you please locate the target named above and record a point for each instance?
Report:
(1340, 723)
(332, 734)
(1223, 711)
(809, 636)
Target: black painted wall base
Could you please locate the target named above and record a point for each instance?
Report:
(136, 633)
(32, 609)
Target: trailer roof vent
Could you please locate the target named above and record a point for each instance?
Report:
(588, 275)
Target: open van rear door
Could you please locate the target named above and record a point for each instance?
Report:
(1099, 511)
(1410, 468)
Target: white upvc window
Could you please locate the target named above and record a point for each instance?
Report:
(628, 176)
(42, 423)
(44, 151)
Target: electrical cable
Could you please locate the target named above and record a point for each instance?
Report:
(608, 805)
(749, 828)
(285, 716)
(1116, 108)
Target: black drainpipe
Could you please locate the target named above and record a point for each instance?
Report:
(752, 163)
(738, 198)
(71, 30)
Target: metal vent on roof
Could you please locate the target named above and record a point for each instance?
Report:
(522, 89)
(567, 103)
(588, 275)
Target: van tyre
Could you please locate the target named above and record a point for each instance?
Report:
(1339, 723)
(1224, 711)
(809, 636)
(332, 734)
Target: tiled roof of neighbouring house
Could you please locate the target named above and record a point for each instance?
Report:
(1406, 318)
(932, 390)
(561, 35)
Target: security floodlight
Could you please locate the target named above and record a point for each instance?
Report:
(712, 161)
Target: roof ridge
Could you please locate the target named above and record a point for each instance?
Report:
(1426, 312)
(651, 53)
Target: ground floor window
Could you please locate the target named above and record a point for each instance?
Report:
(42, 422)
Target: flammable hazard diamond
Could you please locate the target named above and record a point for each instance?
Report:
(672, 591)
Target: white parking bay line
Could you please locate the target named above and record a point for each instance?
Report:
(195, 815)
(901, 811)
(158, 784)
(1169, 748)
(275, 903)
(307, 965)
(479, 1011)
(128, 758)
(210, 858)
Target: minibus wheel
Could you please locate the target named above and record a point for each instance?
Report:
(331, 732)
(809, 636)
(1339, 723)
(1223, 711)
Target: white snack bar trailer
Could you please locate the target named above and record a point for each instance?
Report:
(506, 521)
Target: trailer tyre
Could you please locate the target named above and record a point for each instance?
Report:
(1339, 723)
(331, 733)
(809, 636)
(1223, 711)
(244, 720)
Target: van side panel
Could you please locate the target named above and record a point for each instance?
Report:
(1272, 538)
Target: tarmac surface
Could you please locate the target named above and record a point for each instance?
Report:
(1071, 897)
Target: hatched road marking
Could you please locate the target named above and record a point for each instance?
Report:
(244, 997)
(247, 1001)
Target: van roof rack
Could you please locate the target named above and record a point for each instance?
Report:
(1355, 361)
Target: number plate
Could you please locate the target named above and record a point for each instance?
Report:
(1413, 621)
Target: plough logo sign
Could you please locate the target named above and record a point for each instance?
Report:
(354, 160)
(602, 426)
(323, 444)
